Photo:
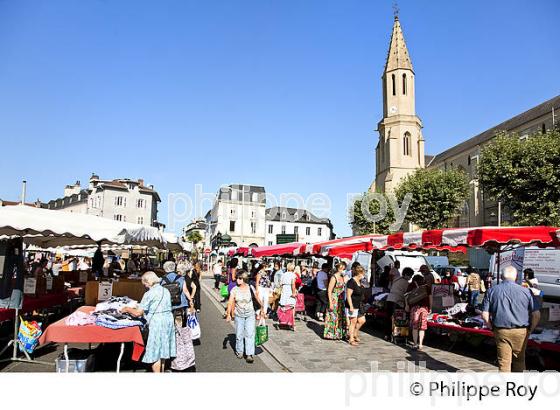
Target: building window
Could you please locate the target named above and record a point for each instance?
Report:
(284, 216)
(234, 195)
(296, 230)
(544, 128)
(394, 84)
(252, 214)
(404, 84)
(255, 197)
(253, 227)
(319, 231)
(140, 220)
(283, 229)
(232, 226)
(141, 203)
(120, 218)
(120, 201)
(269, 243)
(308, 231)
(406, 144)
(270, 228)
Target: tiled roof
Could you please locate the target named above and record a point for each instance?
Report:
(511, 124)
(275, 213)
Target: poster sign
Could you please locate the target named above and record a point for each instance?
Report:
(513, 258)
(83, 276)
(30, 286)
(49, 283)
(554, 312)
(105, 291)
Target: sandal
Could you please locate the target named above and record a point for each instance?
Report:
(352, 343)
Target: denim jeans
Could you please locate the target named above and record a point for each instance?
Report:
(245, 334)
(473, 299)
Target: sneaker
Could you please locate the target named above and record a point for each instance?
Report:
(250, 359)
(239, 355)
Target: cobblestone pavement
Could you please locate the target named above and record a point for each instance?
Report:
(305, 351)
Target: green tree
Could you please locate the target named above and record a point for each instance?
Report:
(437, 196)
(524, 174)
(194, 237)
(364, 224)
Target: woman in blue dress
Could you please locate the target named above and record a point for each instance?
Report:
(156, 305)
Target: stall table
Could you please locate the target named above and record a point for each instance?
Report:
(34, 303)
(60, 332)
(552, 347)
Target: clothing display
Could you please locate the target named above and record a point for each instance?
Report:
(79, 318)
(115, 320)
(116, 303)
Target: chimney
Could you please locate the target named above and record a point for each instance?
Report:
(140, 182)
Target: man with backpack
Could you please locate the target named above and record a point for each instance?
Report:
(181, 298)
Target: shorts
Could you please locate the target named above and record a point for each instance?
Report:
(354, 313)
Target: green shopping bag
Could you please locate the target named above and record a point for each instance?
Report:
(261, 334)
(224, 291)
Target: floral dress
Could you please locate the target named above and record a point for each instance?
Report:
(161, 343)
(335, 320)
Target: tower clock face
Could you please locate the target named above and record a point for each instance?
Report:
(393, 109)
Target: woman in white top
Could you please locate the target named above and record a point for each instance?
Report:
(289, 291)
(240, 306)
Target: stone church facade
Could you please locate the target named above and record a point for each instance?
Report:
(400, 149)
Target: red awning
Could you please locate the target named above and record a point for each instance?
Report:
(458, 239)
(276, 250)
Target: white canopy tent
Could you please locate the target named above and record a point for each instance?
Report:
(47, 228)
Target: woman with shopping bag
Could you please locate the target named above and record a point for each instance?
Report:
(241, 307)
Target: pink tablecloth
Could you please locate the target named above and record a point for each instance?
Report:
(59, 332)
(33, 303)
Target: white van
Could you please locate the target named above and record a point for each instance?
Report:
(407, 259)
(545, 262)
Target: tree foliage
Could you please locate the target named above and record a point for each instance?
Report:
(362, 224)
(437, 196)
(524, 174)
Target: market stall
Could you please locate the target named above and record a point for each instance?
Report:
(22, 225)
(61, 332)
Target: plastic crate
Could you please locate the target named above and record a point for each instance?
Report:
(80, 361)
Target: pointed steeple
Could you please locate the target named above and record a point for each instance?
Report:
(398, 56)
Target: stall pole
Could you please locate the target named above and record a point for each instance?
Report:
(120, 357)
(498, 266)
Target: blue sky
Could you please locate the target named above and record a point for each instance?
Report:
(285, 94)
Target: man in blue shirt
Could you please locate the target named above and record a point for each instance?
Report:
(509, 310)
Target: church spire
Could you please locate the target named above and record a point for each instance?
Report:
(398, 56)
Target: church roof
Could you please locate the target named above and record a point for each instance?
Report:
(509, 125)
(398, 56)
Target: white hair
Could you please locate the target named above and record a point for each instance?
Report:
(182, 268)
(169, 266)
(509, 273)
(290, 267)
(150, 278)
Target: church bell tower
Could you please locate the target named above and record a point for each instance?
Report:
(400, 149)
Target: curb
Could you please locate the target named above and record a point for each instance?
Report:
(287, 363)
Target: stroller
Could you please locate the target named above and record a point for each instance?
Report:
(400, 327)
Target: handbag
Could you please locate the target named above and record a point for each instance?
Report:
(416, 295)
(185, 351)
(194, 326)
(256, 302)
(261, 333)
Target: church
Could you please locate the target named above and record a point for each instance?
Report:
(400, 149)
